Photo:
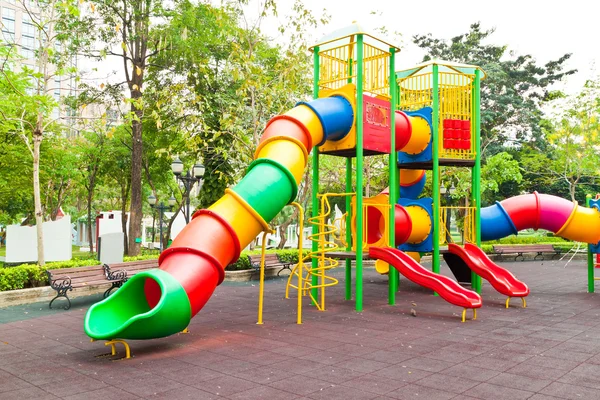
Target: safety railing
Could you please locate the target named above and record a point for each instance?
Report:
(463, 218)
(455, 130)
(338, 67)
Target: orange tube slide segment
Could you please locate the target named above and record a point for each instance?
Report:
(583, 225)
(205, 251)
(286, 126)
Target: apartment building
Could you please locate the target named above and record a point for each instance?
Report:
(18, 27)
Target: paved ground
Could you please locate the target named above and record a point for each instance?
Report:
(549, 350)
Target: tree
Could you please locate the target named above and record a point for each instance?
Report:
(27, 100)
(574, 143)
(128, 24)
(513, 91)
(235, 80)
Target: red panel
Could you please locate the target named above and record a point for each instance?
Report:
(376, 124)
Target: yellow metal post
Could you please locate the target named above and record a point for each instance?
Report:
(261, 287)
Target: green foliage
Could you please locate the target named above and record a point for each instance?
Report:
(570, 166)
(513, 91)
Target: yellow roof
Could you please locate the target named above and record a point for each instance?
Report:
(347, 35)
(444, 66)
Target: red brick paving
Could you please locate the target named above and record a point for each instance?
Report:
(551, 350)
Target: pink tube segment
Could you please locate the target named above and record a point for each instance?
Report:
(554, 212)
(535, 211)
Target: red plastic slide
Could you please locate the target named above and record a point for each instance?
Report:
(447, 288)
(501, 279)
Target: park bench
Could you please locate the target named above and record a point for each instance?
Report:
(528, 248)
(271, 260)
(64, 280)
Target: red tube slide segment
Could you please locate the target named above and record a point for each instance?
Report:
(500, 279)
(540, 211)
(447, 288)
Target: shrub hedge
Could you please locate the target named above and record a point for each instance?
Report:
(32, 275)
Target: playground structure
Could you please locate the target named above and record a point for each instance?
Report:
(423, 118)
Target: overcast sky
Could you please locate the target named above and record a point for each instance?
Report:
(545, 29)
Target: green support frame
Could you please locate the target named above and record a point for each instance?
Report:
(393, 180)
(359, 177)
(476, 173)
(435, 176)
(590, 257)
(315, 174)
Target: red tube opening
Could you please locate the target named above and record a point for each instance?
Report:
(152, 291)
(374, 221)
(403, 130)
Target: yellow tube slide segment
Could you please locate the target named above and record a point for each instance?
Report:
(287, 151)
(246, 222)
(415, 255)
(310, 120)
(420, 137)
(421, 224)
(583, 225)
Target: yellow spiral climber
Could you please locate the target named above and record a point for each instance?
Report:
(325, 263)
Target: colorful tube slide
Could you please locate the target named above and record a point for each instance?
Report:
(447, 288)
(161, 302)
(540, 211)
(500, 279)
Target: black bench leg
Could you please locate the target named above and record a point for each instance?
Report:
(285, 267)
(539, 254)
(62, 293)
(556, 254)
(115, 285)
(520, 255)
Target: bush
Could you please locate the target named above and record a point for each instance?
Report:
(32, 275)
(288, 255)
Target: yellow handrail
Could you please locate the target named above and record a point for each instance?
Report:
(325, 263)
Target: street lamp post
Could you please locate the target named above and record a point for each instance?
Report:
(447, 193)
(188, 180)
(161, 210)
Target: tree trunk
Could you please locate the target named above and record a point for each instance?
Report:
(283, 234)
(124, 196)
(39, 217)
(135, 209)
(89, 213)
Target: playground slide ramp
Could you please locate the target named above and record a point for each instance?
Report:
(501, 279)
(447, 288)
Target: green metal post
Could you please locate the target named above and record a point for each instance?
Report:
(435, 181)
(476, 174)
(393, 166)
(315, 175)
(590, 256)
(348, 262)
(348, 228)
(359, 169)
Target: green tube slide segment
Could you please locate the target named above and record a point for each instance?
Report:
(267, 187)
(127, 315)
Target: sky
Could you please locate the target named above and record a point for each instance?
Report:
(545, 29)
